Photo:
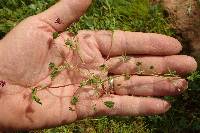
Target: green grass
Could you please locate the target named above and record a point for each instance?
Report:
(105, 125)
(13, 11)
(131, 15)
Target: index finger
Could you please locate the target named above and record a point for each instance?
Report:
(136, 43)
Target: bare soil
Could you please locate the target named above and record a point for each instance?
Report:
(185, 16)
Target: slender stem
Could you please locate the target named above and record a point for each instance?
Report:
(62, 86)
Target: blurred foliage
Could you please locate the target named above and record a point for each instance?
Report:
(131, 15)
(13, 11)
(104, 125)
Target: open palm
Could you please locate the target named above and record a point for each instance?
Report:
(31, 51)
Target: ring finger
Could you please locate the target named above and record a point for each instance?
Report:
(149, 86)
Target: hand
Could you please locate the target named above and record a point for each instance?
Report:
(30, 56)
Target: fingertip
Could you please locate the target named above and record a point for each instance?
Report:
(177, 45)
(162, 106)
(193, 64)
(64, 13)
(183, 64)
(154, 106)
(172, 45)
(190, 63)
(166, 106)
(180, 85)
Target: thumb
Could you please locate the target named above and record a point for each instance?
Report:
(64, 13)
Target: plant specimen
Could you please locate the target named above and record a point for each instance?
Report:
(109, 104)
(34, 96)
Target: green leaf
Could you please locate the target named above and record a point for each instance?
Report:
(194, 76)
(54, 72)
(69, 43)
(74, 100)
(127, 76)
(82, 84)
(51, 65)
(109, 104)
(55, 35)
(125, 58)
(35, 97)
(103, 67)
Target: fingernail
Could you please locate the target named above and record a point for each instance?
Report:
(167, 106)
(180, 84)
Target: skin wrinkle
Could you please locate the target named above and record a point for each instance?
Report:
(89, 54)
(29, 110)
(112, 66)
(152, 109)
(120, 107)
(82, 111)
(61, 107)
(121, 43)
(167, 89)
(44, 62)
(47, 23)
(164, 66)
(58, 53)
(91, 42)
(45, 26)
(56, 95)
(104, 48)
(89, 46)
(126, 44)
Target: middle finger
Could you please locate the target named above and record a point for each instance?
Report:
(151, 65)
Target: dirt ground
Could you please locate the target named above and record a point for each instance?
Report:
(185, 16)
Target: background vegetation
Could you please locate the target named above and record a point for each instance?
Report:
(131, 15)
